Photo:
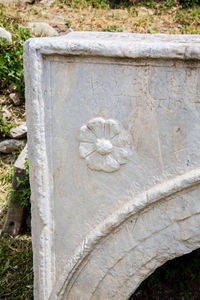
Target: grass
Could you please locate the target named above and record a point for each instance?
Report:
(16, 268)
(23, 192)
(4, 128)
(16, 274)
(190, 17)
(6, 171)
(11, 62)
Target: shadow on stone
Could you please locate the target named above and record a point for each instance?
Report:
(178, 279)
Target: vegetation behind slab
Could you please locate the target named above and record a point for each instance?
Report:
(16, 268)
(11, 61)
(4, 127)
(126, 3)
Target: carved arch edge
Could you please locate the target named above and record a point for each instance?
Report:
(133, 207)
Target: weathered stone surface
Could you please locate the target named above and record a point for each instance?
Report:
(16, 213)
(11, 145)
(20, 162)
(114, 139)
(19, 131)
(4, 34)
(42, 29)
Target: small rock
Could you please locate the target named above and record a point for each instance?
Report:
(6, 115)
(4, 34)
(15, 98)
(150, 12)
(57, 19)
(47, 2)
(42, 29)
(19, 131)
(44, 13)
(20, 162)
(164, 28)
(143, 12)
(9, 146)
(28, 1)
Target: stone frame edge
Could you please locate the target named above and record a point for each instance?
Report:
(151, 46)
(40, 180)
(39, 173)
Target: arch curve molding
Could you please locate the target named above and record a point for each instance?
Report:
(158, 225)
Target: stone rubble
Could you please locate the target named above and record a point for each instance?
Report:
(15, 98)
(11, 145)
(4, 34)
(19, 131)
(42, 29)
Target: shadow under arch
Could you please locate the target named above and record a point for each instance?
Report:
(158, 225)
(178, 278)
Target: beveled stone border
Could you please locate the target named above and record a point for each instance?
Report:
(39, 173)
(125, 45)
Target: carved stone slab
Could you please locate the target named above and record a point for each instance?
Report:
(114, 154)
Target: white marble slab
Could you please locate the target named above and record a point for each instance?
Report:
(114, 139)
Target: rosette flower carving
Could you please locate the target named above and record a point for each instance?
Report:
(104, 144)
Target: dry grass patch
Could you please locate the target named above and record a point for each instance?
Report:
(156, 18)
(6, 170)
(16, 271)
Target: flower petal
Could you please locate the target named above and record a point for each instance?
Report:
(114, 126)
(120, 140)
(86, 135)
(95, 161)
(110, 164)
(86, 148)
(120, 154)
(107, 130)
(96, 125)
